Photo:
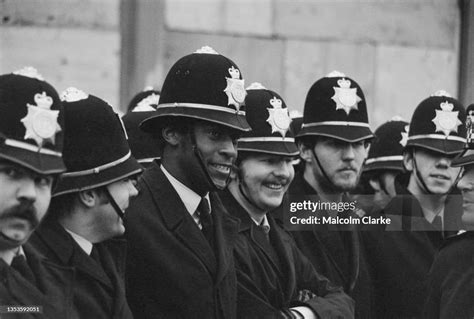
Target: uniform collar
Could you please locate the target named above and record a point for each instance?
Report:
(81, 241)
(8, 255)
(263, 223)
(190, 198)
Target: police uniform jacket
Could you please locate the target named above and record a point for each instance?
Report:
(402, 253)
(172, 271)
(337, 254)
(99, 287)
(451, 280)
(273, 274)
(51, 288)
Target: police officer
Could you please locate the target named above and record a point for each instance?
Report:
(142, 145)
(425, 212)
(31, 143)
(383, 170)
(268, 288)
(451, 278)
(181, 239)
(333, 143)
(88, 206)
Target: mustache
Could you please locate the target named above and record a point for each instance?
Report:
(22, 211)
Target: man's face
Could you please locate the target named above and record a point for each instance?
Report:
(265, 179)
(466, 186)
(434, 168)
(216, 145)
(108, 221)
(341, 161)
(24, 200)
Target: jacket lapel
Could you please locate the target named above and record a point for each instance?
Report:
(69, 253)
(113, 261)
(226, 229)
(283, 249)
(247, 225)
(176, 218)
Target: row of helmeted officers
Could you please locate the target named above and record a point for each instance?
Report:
(180, 209)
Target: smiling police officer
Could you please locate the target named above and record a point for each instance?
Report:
(181, 239)
(275, 278)
(425, 212)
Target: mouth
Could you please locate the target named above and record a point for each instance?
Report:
(221, 168)
(274, 186)
(348, 169)
(439, 176)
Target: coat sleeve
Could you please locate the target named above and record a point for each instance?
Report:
(318, 293)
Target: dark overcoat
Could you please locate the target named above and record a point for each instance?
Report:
(52, 288)
(401, 254)
(451, 280)
(99, 289)
(272, 279)
(172, 271)
(338, 254)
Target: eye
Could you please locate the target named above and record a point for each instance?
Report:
(11, 172)
(214, 133)
(44, 181)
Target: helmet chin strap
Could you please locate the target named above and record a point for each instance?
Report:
(200, 160)
(418, 175)
(420, 178)
(114, 204)
(321, 167)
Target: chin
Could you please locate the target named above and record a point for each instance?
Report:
(440, 190)
(346, 186)
(272, 203)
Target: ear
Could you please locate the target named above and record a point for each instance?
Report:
(88, 198)
(171, 135)
(305, 152)
(408, 160)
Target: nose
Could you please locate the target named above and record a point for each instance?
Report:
(27, 190)
(348, 152)
(284, 169)
(132, 189)
(464, 185)
(228, 148)
(443, 162)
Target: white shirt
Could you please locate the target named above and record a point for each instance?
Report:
(264, 223)
(430, 216)
(189, 198)
(81, 241)
(8, 255)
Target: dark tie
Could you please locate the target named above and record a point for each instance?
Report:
(437, 223)
(20, 265)
(95, 255)
(265, 229)
(204, 213)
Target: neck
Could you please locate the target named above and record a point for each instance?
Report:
(325, 192)
(254, 212)
(79, 223)
(171, 164)
(429, 202)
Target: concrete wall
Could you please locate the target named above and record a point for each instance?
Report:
(398, 51)
(70, 42)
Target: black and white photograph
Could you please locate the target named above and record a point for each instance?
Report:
(237, 159)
